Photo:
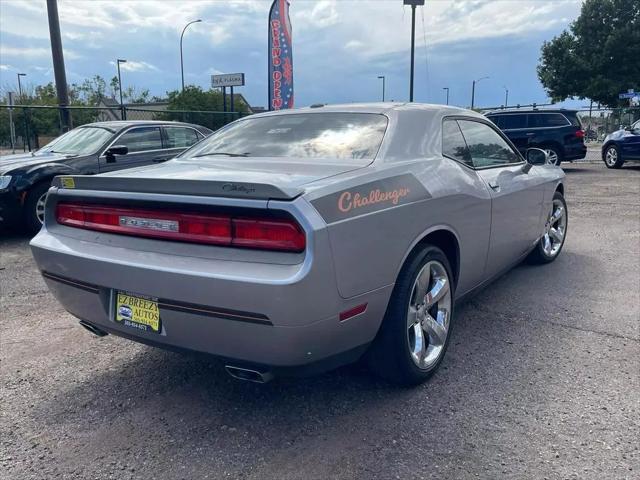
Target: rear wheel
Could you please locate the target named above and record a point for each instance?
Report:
(612, 157)
(34, 207)
(416, 329)
(555, 155)
(555, 232)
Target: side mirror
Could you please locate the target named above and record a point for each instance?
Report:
(536, 156)
(117, 150)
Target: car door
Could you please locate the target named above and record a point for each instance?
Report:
(516, 196)
(144, 144)
(630, 144)
(178, 138)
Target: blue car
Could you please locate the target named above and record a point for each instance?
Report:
(622, 146)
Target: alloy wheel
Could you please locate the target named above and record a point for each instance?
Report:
(611, 156)
(555, 229)
(40, 207)
(428, 316)
(553, 156)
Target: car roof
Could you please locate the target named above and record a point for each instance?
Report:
(531, 110)
(117, 125)
(372, 107)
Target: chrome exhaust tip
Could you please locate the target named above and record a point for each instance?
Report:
(248, 375)
(93, 329)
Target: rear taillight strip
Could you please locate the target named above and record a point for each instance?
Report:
(225, 230)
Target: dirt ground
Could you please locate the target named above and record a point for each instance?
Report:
(542, 380)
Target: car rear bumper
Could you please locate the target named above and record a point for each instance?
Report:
(575, 152)
(264, 314)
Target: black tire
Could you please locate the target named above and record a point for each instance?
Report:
(389, 356)
(612, 157)
(31, 220)
(556, 152)
(538, 256)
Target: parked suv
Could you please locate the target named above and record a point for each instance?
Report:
(94, 148)
(558, 132)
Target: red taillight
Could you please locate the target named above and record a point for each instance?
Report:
(580, 133)
(262, 233)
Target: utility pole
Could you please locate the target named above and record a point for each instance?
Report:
(414, 4)
(123, 113)
(20, 85)
(24, 117)
(382, 77)
(506, 96)
(58, 63)
(447, 89)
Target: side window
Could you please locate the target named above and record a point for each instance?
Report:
(486, 147)
(141, 139)
(453, 144)
(514, 121)
(547, 120)
(498, 120)
(178, 137)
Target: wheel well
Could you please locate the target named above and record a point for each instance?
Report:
(556, 145)
(448, 243)
(560, 188)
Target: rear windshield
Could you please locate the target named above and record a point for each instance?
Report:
(344, 136)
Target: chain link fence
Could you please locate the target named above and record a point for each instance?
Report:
(26, 128)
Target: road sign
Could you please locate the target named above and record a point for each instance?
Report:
(629, 94)
(227, 80)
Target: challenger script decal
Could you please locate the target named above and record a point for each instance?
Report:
(370, 197)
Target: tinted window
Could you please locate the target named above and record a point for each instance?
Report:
(497, 119)
(453, 144)
(178, 137)
(141, 139)
(547, 120)
(513, 121)
(303, 135)
(486, 147)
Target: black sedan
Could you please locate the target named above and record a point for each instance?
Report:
(87, 150)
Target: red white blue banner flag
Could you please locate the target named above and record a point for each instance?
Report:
(280, 57)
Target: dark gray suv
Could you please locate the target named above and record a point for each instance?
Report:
(86, 150)
(556, 131)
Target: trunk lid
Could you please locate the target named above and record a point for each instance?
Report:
(250, 177)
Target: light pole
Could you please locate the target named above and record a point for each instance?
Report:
(414, 4)
(181, 61)
(123, 115)
(447, 89)
(383, 82)
(20, 85)
(506, 96)
(473, 90)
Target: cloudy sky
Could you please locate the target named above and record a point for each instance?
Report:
(340, 46)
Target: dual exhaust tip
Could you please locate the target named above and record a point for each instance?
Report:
(239, 373)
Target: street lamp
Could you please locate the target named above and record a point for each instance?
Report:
(414, 4)
(20, 85)
(473, 90)
(122, 114)
(383, 81)
(447, 89)
(506, 96)
(181, 61)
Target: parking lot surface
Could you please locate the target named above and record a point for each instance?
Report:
(541, 380)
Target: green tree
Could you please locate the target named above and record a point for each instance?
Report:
(598, 57)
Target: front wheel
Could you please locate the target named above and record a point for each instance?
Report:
(554, 234)
(34, 207)
(416, 329)
(612, 157)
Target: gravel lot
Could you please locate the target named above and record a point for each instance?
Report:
(541, 381)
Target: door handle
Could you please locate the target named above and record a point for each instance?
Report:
(531, 134)
(494, 186)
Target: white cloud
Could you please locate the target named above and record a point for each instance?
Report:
(34, 52)
(134, 66)
(5, 67)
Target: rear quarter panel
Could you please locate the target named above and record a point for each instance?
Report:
(370, 246)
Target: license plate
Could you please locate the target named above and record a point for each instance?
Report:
(138, 311)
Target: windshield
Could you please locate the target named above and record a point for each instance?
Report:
(344, 136)
(80, 141)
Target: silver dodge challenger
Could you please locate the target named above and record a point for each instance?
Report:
(292, 242)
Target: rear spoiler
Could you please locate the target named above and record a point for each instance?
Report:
(204, 188)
